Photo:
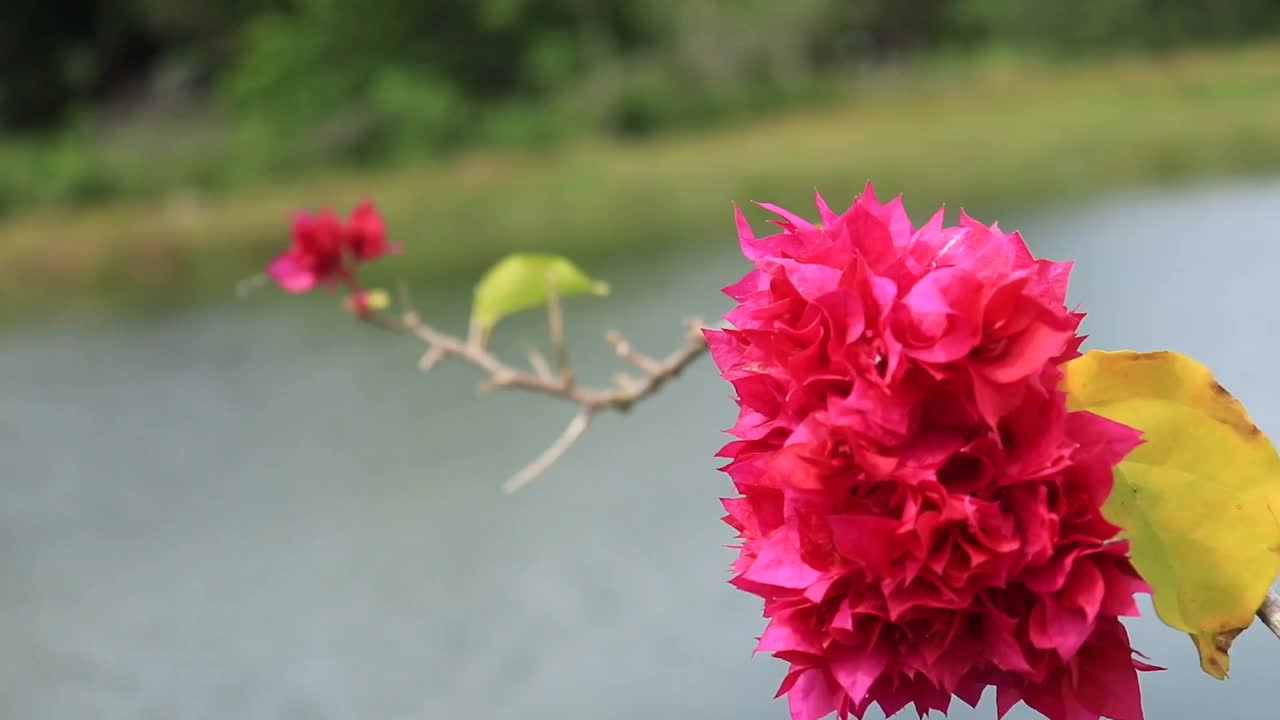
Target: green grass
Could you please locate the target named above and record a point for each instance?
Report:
(987, 135)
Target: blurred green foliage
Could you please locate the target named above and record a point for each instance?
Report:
(1090, 26)
(989, 134)
(100, 100)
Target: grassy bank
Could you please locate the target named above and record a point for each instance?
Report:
(988, 136)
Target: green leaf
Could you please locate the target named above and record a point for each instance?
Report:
(1199, 500)
(520, 282)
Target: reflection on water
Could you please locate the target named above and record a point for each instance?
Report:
(251, 513)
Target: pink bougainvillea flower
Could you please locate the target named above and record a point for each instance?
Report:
(326, 250)
(918, 510)
(314, 257)
(366, 235)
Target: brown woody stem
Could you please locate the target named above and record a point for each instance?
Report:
(1269, 613)
(619, 397)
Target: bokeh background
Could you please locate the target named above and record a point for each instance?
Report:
(222, 507)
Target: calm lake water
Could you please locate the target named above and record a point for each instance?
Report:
(261, 511)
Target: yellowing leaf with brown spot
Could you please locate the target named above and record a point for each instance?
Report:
(1199, 500)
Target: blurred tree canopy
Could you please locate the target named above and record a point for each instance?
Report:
(358, 80)
(295, 60)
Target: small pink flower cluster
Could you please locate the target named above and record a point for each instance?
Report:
(326, 250)
(917, 508)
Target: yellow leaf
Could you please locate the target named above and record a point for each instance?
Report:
(1198, 500)
(1213, 650)
(520, 282)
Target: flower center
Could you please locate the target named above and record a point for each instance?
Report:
(881, 364)
(991, 348)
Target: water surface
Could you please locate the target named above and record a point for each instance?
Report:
(260, 511)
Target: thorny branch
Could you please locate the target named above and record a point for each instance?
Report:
(626, 391)
(1269, 613)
